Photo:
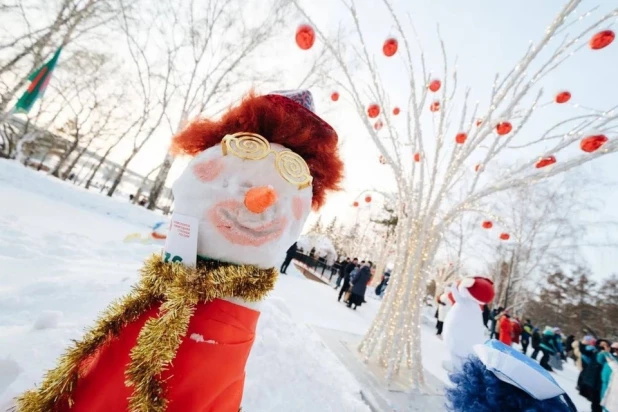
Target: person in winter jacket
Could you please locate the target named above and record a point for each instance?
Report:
(609, 378)
(535, 341)
(526, 333)
(568, 346)
(516, 330)
(559, 342)
(444, 305)
(486, 315)
(548, 347)
(506, 329)
(383, 283)
(604, 358)
(346, 277)
(342, 267)
(359, 285)
(493, 322)
(590, 382)
(587, 350)
(289, 255)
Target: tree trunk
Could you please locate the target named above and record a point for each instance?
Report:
(107, 179)
(383, 256)
(56, 171)
(159, 182)
(393, 339)
(142, 185)
(69, 169)
(42, 160)
(118, 178)
(81, 180)
(98, 166)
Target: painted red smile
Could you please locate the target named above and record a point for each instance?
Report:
(223, 217)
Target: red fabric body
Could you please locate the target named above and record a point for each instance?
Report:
(206, 376)
(505, 330)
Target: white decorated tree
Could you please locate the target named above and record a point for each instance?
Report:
(473, 151)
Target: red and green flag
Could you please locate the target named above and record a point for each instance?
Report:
(38, 83)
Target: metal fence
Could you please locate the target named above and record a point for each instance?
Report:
(318, 265)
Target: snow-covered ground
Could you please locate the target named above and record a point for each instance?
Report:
(63, 260)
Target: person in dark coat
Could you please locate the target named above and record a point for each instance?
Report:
(568, 346)
(346, 277)
(289, 255)
(548, 347)
(359, 286)
(526, 334)
(493, 322)
(384, 283)
(589, 381)
(486, 315)
(342, 267)
(535, 341)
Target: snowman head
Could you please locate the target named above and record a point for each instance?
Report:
(255, 176)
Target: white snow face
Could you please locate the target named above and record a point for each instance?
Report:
(214, 189)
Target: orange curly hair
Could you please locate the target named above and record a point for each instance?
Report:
(271, 116)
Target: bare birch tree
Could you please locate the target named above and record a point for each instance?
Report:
(433, 166)
(39, 33)
(222, 39)
(153, 61)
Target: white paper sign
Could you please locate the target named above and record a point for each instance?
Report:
(181, 243)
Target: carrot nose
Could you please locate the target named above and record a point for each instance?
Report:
(258, 199)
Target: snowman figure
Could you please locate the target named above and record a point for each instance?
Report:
(180, 340)
(463, 326)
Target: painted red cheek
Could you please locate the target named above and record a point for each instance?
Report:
(208, 171)
(298, 208)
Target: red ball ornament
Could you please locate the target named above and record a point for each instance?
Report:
(479, 122)
(487, 224)
(563, 97)
(373, 110)
(396, 111)
(505, 236)
(355, 204)
(305, 36)
(601, 39)
(593, 143)
(367, 199)
(378, 125)
(504, 128)
(546, 161)
(434, 85)
(334, 96)
(417, 157)
(435, 106)
(477, 167)
(390, 47)
(461, 138)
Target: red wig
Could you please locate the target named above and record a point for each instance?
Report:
(279, 120)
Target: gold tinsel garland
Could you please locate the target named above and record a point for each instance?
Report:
(180, 288)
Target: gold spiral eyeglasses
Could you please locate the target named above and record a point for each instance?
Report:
(251, 146)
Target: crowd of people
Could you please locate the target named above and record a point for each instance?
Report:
(353, 279)
(597, 359)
